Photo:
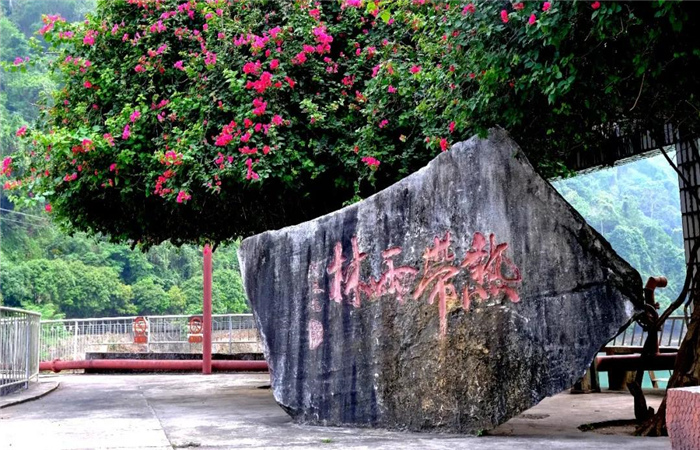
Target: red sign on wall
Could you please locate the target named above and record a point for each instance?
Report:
(195, 335)
(140, 330)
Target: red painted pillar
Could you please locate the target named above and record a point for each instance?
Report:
(206, 338)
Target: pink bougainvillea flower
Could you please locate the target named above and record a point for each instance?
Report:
(277, 119)
(252, 68)
(126, 133)
(108, 137)
(415, 69)
(371, 161)
(546, 6)
(18, 61)
(595, 5)
(21, 131)
(383, 123)
(135, 116)
(259, 106)
(504, 16)
(532, 19)
(250, 174)
(452, 127)
(113, 167)
(351, 4)
(178, 65)
(6, 166)
(518, 6)
(300, 58)
(183, 196)
(89, 38)
(139, 68)
(87, 84)
(391, 89)
(443, 144)
(470, 8)
(210, 58)
(275, 63)
(48, 208)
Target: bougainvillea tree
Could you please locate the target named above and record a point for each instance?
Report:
(206, 120)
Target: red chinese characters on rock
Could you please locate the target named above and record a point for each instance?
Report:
(438, 270)
(394, 280)
(489, 275)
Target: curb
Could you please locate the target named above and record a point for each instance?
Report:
(32, 397)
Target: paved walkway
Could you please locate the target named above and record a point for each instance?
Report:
(35, 391)
(230, 411)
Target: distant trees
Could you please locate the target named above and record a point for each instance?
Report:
(78, 276)
(637, 208)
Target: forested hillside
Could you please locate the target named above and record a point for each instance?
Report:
(635, 207)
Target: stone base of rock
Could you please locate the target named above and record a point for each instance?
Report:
(683, 418)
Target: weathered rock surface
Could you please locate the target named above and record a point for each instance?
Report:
(452, 301)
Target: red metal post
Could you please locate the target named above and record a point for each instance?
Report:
(206, 332)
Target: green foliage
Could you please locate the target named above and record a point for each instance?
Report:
(78, 276)
(204, 121)
(69, 287)
(637, 208)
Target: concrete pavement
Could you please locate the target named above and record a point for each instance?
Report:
(231, 411)
(35, 391)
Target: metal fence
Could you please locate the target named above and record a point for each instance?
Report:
(670, 335)
(73, 339)
(19, 348)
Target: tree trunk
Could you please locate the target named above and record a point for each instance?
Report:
(686, 371)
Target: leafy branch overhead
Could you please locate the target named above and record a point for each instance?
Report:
(204, 121)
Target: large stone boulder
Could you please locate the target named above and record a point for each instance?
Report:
(452, 300)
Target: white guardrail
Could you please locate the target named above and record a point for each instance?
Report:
(19, 348)
(72, 339)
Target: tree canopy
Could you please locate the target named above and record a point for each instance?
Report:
(204, 121)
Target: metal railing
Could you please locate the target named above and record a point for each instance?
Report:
(72, 339)
(19, 348)
(670, 335)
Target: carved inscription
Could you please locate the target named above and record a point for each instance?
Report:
(485, 273)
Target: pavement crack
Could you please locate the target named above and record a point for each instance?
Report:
(155, 414)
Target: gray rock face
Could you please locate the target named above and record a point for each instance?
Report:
(451, 301)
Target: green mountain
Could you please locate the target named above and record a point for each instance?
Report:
(636, 207)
